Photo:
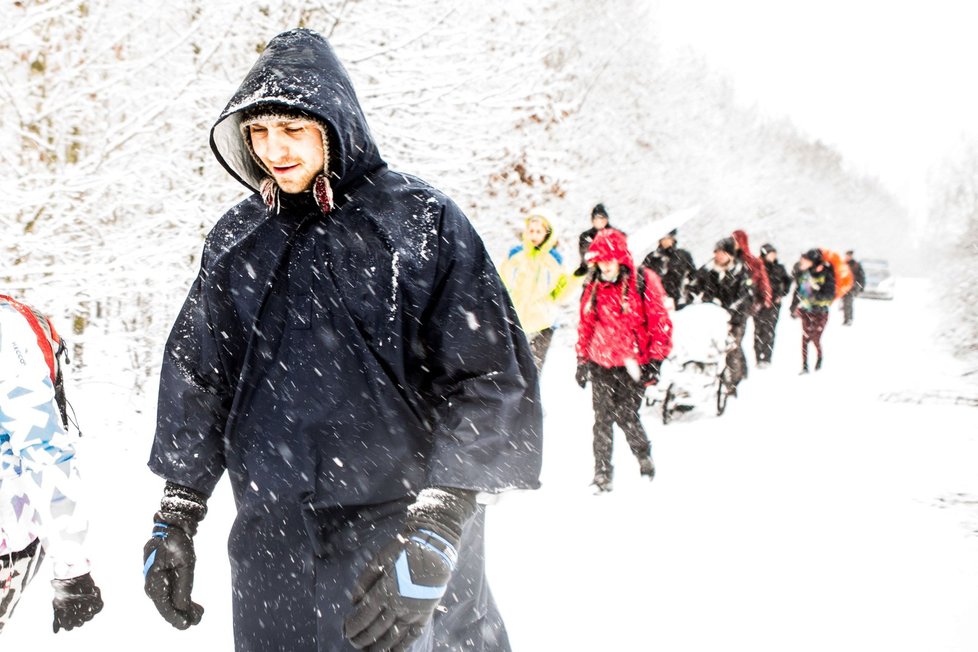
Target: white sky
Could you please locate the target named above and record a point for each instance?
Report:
(891, 84)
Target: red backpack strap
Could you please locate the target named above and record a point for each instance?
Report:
(43, 341)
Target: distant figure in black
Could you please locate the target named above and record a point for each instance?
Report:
(858, 283)
(674, 266)
(766, 319)
(726, 281)
(599, 221)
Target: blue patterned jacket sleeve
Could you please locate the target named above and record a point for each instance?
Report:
(39, 483)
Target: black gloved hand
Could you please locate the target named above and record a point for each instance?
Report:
(583, 374)
(169, 557)
(650, 372)
(76, 601)
(398, 591)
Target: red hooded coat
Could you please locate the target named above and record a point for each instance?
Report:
(758, 272)
(616, 324)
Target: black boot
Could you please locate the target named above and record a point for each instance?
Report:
(646, 467)
(602, 482)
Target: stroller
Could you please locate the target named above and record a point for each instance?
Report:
(692, 375)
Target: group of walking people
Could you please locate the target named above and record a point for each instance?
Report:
(349, 356)
(624, 329)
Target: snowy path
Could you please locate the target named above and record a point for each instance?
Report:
(812, 516)
(806, 518)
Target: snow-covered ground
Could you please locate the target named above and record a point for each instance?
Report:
(833, 511)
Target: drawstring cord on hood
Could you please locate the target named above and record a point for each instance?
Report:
(322, 192)
(269, 193)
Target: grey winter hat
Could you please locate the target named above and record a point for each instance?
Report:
(767, 248)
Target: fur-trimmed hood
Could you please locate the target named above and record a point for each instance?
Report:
(299, 72)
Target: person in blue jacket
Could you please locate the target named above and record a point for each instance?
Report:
(349, 356)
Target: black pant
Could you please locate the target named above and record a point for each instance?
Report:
(17, 569)
(847, 304)
(540, 344)
(736, 360)
(292, 570)
(765, 324)
(812, 325)
(616, 398)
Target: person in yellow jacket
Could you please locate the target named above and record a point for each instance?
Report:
(536, 279)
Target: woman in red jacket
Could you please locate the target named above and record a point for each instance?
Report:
(623, 335)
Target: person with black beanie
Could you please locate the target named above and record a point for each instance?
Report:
(599, 221)
(675, 266)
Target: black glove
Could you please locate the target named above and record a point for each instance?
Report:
(583, 374)
(169, 558)
(76, 601)
(398, 591)
(650, 372)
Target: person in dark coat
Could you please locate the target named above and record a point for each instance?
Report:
(814, 292)
(758, 273)
(674, 266)
(858, 283)
(599, 221)
(726, 281)
(623, 336)
(349, 356)
(766, 319)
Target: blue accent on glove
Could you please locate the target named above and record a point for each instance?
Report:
(406, 586)
(449, 554)
(149, 563)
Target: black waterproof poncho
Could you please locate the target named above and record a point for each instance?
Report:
(347, 358)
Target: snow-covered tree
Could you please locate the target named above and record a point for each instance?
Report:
(112, 186)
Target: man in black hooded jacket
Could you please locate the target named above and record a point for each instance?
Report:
(349, 356)
(726, 281)
(674, 266)
(599, 221)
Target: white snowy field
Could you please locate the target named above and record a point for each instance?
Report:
(824, 512)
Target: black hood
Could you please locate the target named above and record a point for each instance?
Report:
(299, 71)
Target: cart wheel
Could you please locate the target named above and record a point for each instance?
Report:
(721, 398)
(667, 405)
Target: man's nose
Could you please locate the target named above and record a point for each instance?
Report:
(278, 147)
